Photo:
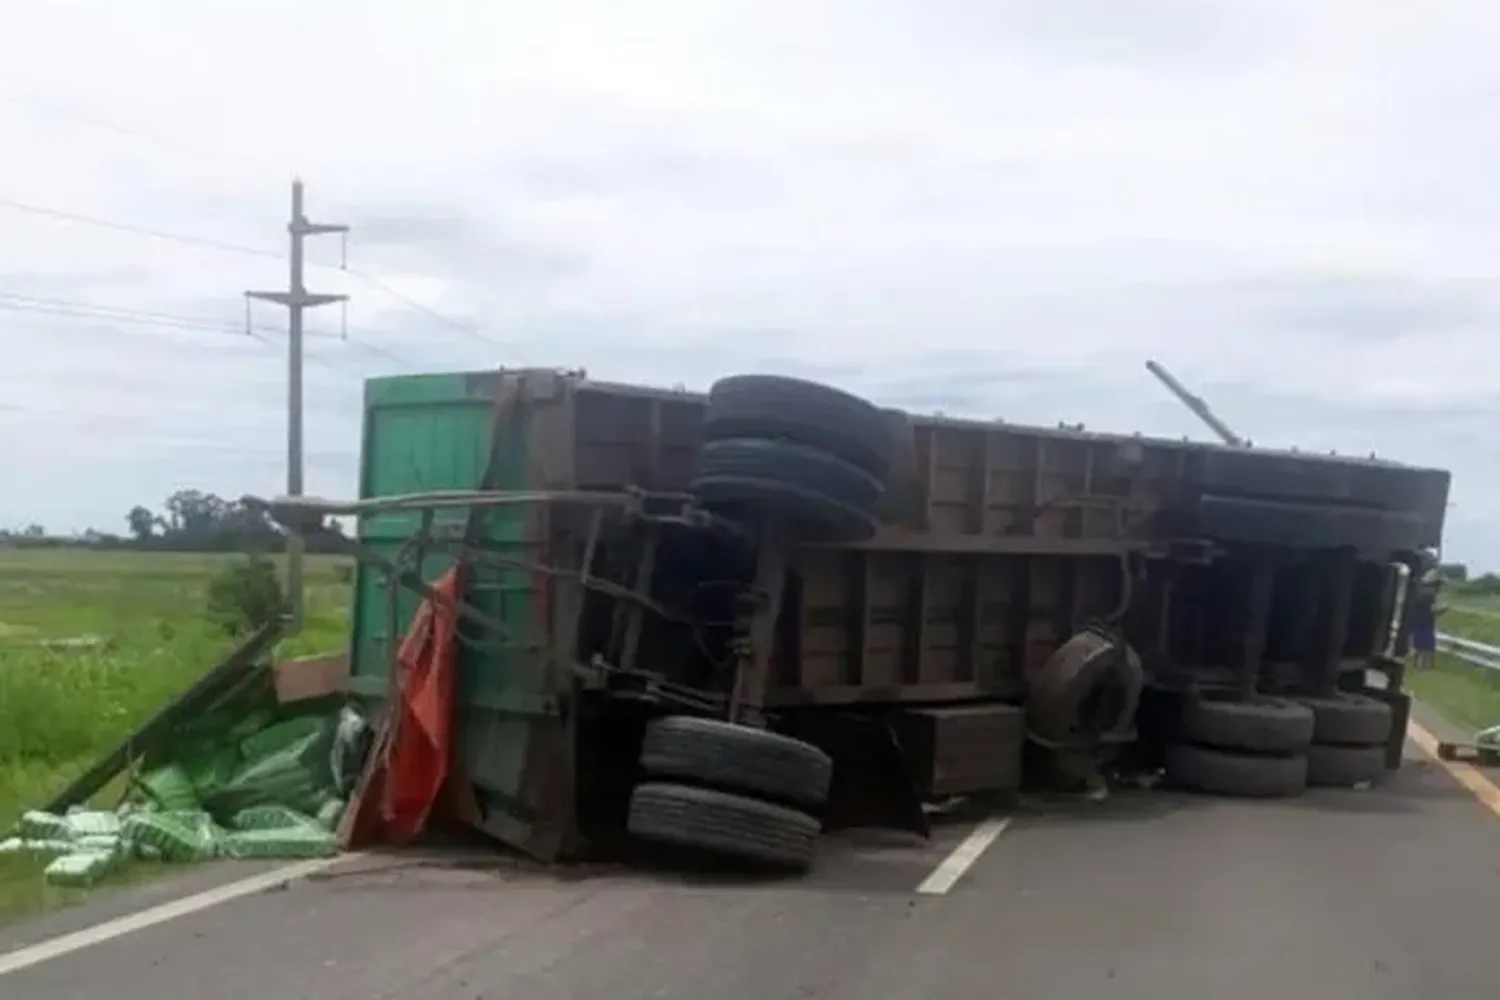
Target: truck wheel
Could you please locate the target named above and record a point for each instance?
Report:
(822, 494)
(795, 465)
(730, 825)
(1220, 772)
(820, 416)
(1343, 766)
(1350, 720)
(737, 758)
(1260, 725)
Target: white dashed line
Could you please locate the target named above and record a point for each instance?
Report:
(57, 947)
(952, 868)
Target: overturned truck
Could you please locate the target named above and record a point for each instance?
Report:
(729, 621)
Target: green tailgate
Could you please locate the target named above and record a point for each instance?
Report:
(433, 432)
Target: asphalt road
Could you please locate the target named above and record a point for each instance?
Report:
(1386, 893)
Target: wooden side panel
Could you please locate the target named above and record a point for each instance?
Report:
(1016, 542)
(647, 441)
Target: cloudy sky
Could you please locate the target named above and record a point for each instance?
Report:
(990, 208)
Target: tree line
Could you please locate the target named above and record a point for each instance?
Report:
(187, 521)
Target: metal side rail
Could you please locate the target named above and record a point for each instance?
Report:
(1477, 653)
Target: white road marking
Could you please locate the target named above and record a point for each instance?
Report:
(45, 951)
(952, 868)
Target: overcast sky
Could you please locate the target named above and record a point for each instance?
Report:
(991, 208)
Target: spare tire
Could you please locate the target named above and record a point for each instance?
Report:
(1350, 720)
(821, 496)
(730, 825)
(737, 758)
(1220, 772)
(1258, 725)
(808, 413)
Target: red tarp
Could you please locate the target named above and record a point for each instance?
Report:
(409, 762)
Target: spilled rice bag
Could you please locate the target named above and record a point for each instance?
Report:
(81, 868)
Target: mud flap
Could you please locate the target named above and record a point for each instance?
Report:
(1395, 746)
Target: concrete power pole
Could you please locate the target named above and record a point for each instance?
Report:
(297, 298)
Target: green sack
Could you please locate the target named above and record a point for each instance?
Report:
(270, 817)
(105, 843)
(92, 823)
(18, 845)
(83, 868)
(210, 769)
(175, 836)
(289, 842)
(280, 737)
(296, 776)
(294, 786)
(38, 825)
(170, 788)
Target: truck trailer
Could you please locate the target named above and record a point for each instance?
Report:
(727, 621)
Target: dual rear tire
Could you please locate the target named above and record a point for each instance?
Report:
(729, 790)
(1275, 747)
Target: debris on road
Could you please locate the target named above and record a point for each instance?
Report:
(1483, 749)
(262, 769)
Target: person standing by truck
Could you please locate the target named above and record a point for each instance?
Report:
(1424, 615)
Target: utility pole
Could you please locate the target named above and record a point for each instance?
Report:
(296, 298)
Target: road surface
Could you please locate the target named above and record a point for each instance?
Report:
(1386, 894)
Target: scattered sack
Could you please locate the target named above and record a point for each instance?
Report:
(294, 775)
(210, 769)
(92, 823)
(111, 842)
(280, 788)
(38, 825)
(303, 841)
(80, 869)
(169, 787)
(19, 845)
(175, 836)
(282, 736)
(272, 817)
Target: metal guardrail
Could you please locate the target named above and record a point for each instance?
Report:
(1479, 654)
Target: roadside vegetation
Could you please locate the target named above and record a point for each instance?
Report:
(1462, 693)
(92, 641)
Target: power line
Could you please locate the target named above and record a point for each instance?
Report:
(411, 303)
(15, 301)
(169, 438)
(127, 227)
(131, 131)
(210, 243)
(91, 310)
(178, 145)
(164, 321)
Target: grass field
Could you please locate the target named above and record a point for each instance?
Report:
(1461, 693)
(61, 707)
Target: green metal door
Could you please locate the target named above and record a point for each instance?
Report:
(434, 432)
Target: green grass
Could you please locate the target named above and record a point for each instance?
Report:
(1466, 695)
(1472, 622)
(61, 707)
